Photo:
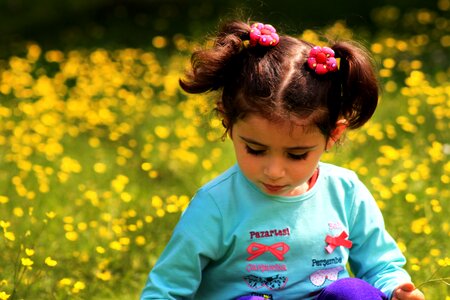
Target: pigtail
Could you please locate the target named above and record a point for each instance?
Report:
(359, 83)
(210, 66)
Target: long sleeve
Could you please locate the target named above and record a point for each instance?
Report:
(178, 272)
(374, 257)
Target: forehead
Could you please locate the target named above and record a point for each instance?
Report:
(292, 129)
(284, 123)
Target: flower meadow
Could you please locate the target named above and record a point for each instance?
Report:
(101, 151)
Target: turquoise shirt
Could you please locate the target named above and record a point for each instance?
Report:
(234, 240)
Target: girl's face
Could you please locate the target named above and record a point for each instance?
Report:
(279, 157)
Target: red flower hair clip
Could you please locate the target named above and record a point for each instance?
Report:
(321, 60)
(263, 34)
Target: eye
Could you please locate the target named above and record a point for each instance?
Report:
(253, 151)
(302, 156)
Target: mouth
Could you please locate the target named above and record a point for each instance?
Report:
(273, 189)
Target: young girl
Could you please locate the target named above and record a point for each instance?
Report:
(280, 224)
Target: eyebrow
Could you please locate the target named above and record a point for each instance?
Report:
(303, 148)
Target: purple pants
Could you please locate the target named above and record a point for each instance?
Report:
(342, 289)
(351, 289)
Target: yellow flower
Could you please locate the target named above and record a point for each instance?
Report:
(27, 262)
(103, 275)
(410, 197)
(140, 240)
(124, 241)
(100, 250)
(157, 202)
(70, 165)
(4, 199)
(50, 214)
(4, 224)
(72, 236)
(162, 132)
(94, 142)
(420, 225)
(146, 166)
(4, 296)
(29, 252)
(18, 212)
(389, 63)
(50, 262)
(65, 282)
(436, 151)
(119, 183)
(126, 197)
(78, 286)
(435, 252)
(10, 236)
(115, 245)
(100, 168)
(159, 42)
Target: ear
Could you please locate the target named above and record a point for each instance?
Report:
(336, 134)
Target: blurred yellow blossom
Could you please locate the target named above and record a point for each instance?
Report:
(119, 183)
(50, 262)
(100, 168)
(27, 262)
(159, 41)
(162, 132)
(50, 214)
(29, 252)
(65, 282)
(71, 236)
(103, 275)
(78, 286)
(140, 240)
(421, 225)
(9, 236)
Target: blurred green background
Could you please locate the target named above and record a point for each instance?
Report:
(131, 23)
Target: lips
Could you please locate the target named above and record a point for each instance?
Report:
(272, 189)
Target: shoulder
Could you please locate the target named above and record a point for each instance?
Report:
(222, 185)
(343, 182)
(335, 174)
(224, 179)
(211, 203)
(212, 194)
(344, 186)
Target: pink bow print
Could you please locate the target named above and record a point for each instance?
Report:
(337, 241)
(318, 278)
(278, 250)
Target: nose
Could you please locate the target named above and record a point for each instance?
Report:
(274, 169)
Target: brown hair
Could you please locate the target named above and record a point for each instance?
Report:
(275, 82)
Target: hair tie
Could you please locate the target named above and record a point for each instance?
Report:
(321, 60)
(263, 34)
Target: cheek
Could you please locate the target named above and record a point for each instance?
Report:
(248, 164)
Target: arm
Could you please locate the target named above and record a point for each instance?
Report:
(178, 272)
(374, 256)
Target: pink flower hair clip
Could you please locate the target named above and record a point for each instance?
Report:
(263, 34)
(321, 60)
